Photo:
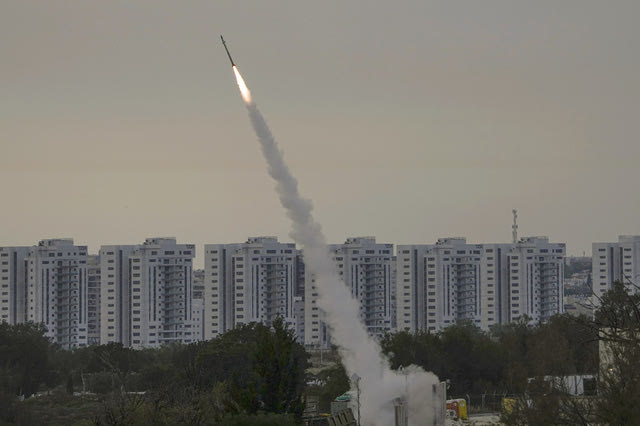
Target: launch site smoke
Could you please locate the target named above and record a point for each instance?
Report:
(360, 354)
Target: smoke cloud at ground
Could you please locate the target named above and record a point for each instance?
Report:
(361, 355)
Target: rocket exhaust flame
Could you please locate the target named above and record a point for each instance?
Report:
(360, 354)
(244, 90)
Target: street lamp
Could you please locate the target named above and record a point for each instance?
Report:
(356, 379)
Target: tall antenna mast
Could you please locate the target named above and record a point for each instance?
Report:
(514, 227)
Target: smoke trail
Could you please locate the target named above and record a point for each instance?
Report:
(360, 354)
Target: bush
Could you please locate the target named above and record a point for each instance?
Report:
(260, 419)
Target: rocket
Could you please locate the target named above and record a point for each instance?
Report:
(225, 48)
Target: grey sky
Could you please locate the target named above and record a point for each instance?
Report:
(405, 120)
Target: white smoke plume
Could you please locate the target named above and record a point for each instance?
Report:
(379, 385)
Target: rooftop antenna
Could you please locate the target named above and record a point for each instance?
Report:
(514, 227)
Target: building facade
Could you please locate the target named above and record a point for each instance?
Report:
(146, 293)
(47, 284)
(115, 294)
(486, 284)
(615, 261)
(13, 284)
(367, 269)
(93, 300)
(535, 279)
(249, 282)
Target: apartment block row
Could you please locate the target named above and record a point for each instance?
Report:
(137, 295)
(486, 284)
(148, 294)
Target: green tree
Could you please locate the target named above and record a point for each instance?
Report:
(567, 345)
(280, 363)
(618, 321)
(260, 419)
(461, 353)
(619, 387)
(24, 358)
(515, 339)
(472, 359)
(421, 348)
(228, 358)
(264, 367)
(335, 383)
(619, 309)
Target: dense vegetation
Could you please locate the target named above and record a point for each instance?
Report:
(260, 375)
(514, 360)
(617, 323)
(477, 362)
(253, 372)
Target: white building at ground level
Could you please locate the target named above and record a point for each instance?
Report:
(487, 284)
(616, 261)
(367, 269)
(249, 282)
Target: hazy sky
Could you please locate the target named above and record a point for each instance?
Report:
(407, 120)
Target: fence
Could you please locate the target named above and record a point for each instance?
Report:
(484, 403)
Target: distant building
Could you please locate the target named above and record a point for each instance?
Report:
(146, 293)
(448, 281)
(616, 261)
(93, 300)
(197, 320)
(536, 279)
(577, 260)
(255, 281)
(115, 294)
(47, 284)
(198, 283)
(13, 284)
(368, 270)
(486, 284)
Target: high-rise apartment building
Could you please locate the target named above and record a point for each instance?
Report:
(448, 281)
(115, 294)
(47, 283)
(367, 269)
(535, 280)
(616, 261)
(486, 284)
(253, 281)
(146, 293)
